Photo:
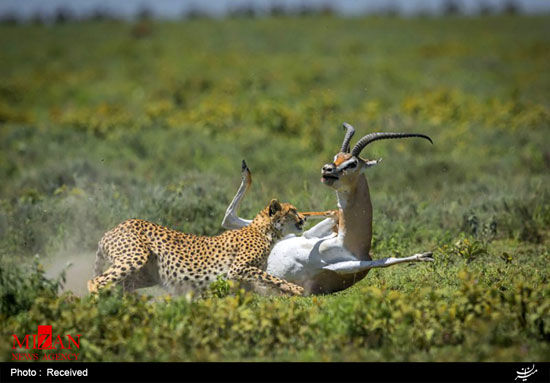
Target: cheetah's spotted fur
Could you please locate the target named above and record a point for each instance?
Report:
(144, 254)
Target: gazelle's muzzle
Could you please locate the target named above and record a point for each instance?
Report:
(329, 174)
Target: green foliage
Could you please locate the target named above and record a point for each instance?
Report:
(221, 287)
(467, 249)
(20, 288)
(97, 130)
(370, 324)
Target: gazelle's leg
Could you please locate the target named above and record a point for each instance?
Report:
(322, 229)
(350, 267)
(231, 220)
(321, 214)
(325, 227)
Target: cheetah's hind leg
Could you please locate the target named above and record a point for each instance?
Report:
(256, 275)
(99, 262)
(146, 276)
(124, 266)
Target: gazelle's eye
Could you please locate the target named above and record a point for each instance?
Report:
(352, 165)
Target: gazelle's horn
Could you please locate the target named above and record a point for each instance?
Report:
(360, 145)
(349, 134)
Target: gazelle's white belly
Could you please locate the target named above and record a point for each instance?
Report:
(301, 260)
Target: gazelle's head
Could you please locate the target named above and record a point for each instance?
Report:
(346, 166)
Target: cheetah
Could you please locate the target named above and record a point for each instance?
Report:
(144, 254)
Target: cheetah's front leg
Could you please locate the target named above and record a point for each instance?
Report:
(254, 274)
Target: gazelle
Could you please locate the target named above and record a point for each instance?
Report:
(325, 260)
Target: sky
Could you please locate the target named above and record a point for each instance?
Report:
(173, 9)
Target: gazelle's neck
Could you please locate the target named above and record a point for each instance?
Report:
(355, 224)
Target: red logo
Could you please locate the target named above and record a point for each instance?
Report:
(45, 340)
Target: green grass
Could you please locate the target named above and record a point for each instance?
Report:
(97, 126)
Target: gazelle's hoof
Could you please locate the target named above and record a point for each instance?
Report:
(425, 257)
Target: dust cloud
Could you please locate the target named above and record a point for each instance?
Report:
(79, 268)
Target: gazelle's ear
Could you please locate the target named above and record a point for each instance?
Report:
(369, 163)
(274, 207)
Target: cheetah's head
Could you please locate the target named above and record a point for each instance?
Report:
(285, 217)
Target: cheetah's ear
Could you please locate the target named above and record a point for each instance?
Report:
(274, 207)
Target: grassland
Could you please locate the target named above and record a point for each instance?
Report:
(103, 121)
